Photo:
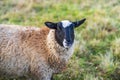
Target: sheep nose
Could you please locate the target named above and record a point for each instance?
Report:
(67, 41)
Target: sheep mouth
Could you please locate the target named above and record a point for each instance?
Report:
(67, 46)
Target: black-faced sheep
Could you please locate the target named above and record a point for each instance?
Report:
(37, 52)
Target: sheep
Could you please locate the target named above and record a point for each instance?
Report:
(36, 52)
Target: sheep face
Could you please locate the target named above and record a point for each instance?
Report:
(64, 31)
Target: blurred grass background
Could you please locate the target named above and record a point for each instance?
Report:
(97, 49)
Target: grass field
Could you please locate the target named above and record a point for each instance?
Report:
(97, 49)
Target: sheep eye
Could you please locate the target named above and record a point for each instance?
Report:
(59, 28)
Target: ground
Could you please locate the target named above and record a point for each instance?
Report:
(97, 49)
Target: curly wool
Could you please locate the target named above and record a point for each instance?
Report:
(31, 51)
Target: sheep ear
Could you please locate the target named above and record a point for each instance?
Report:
(51, 25)
(78, 23)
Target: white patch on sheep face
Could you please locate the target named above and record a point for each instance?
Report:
(66, 23)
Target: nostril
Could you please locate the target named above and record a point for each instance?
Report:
(67, 42)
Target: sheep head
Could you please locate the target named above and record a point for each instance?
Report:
(64, 31)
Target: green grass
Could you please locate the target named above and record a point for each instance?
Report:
(97, 49)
